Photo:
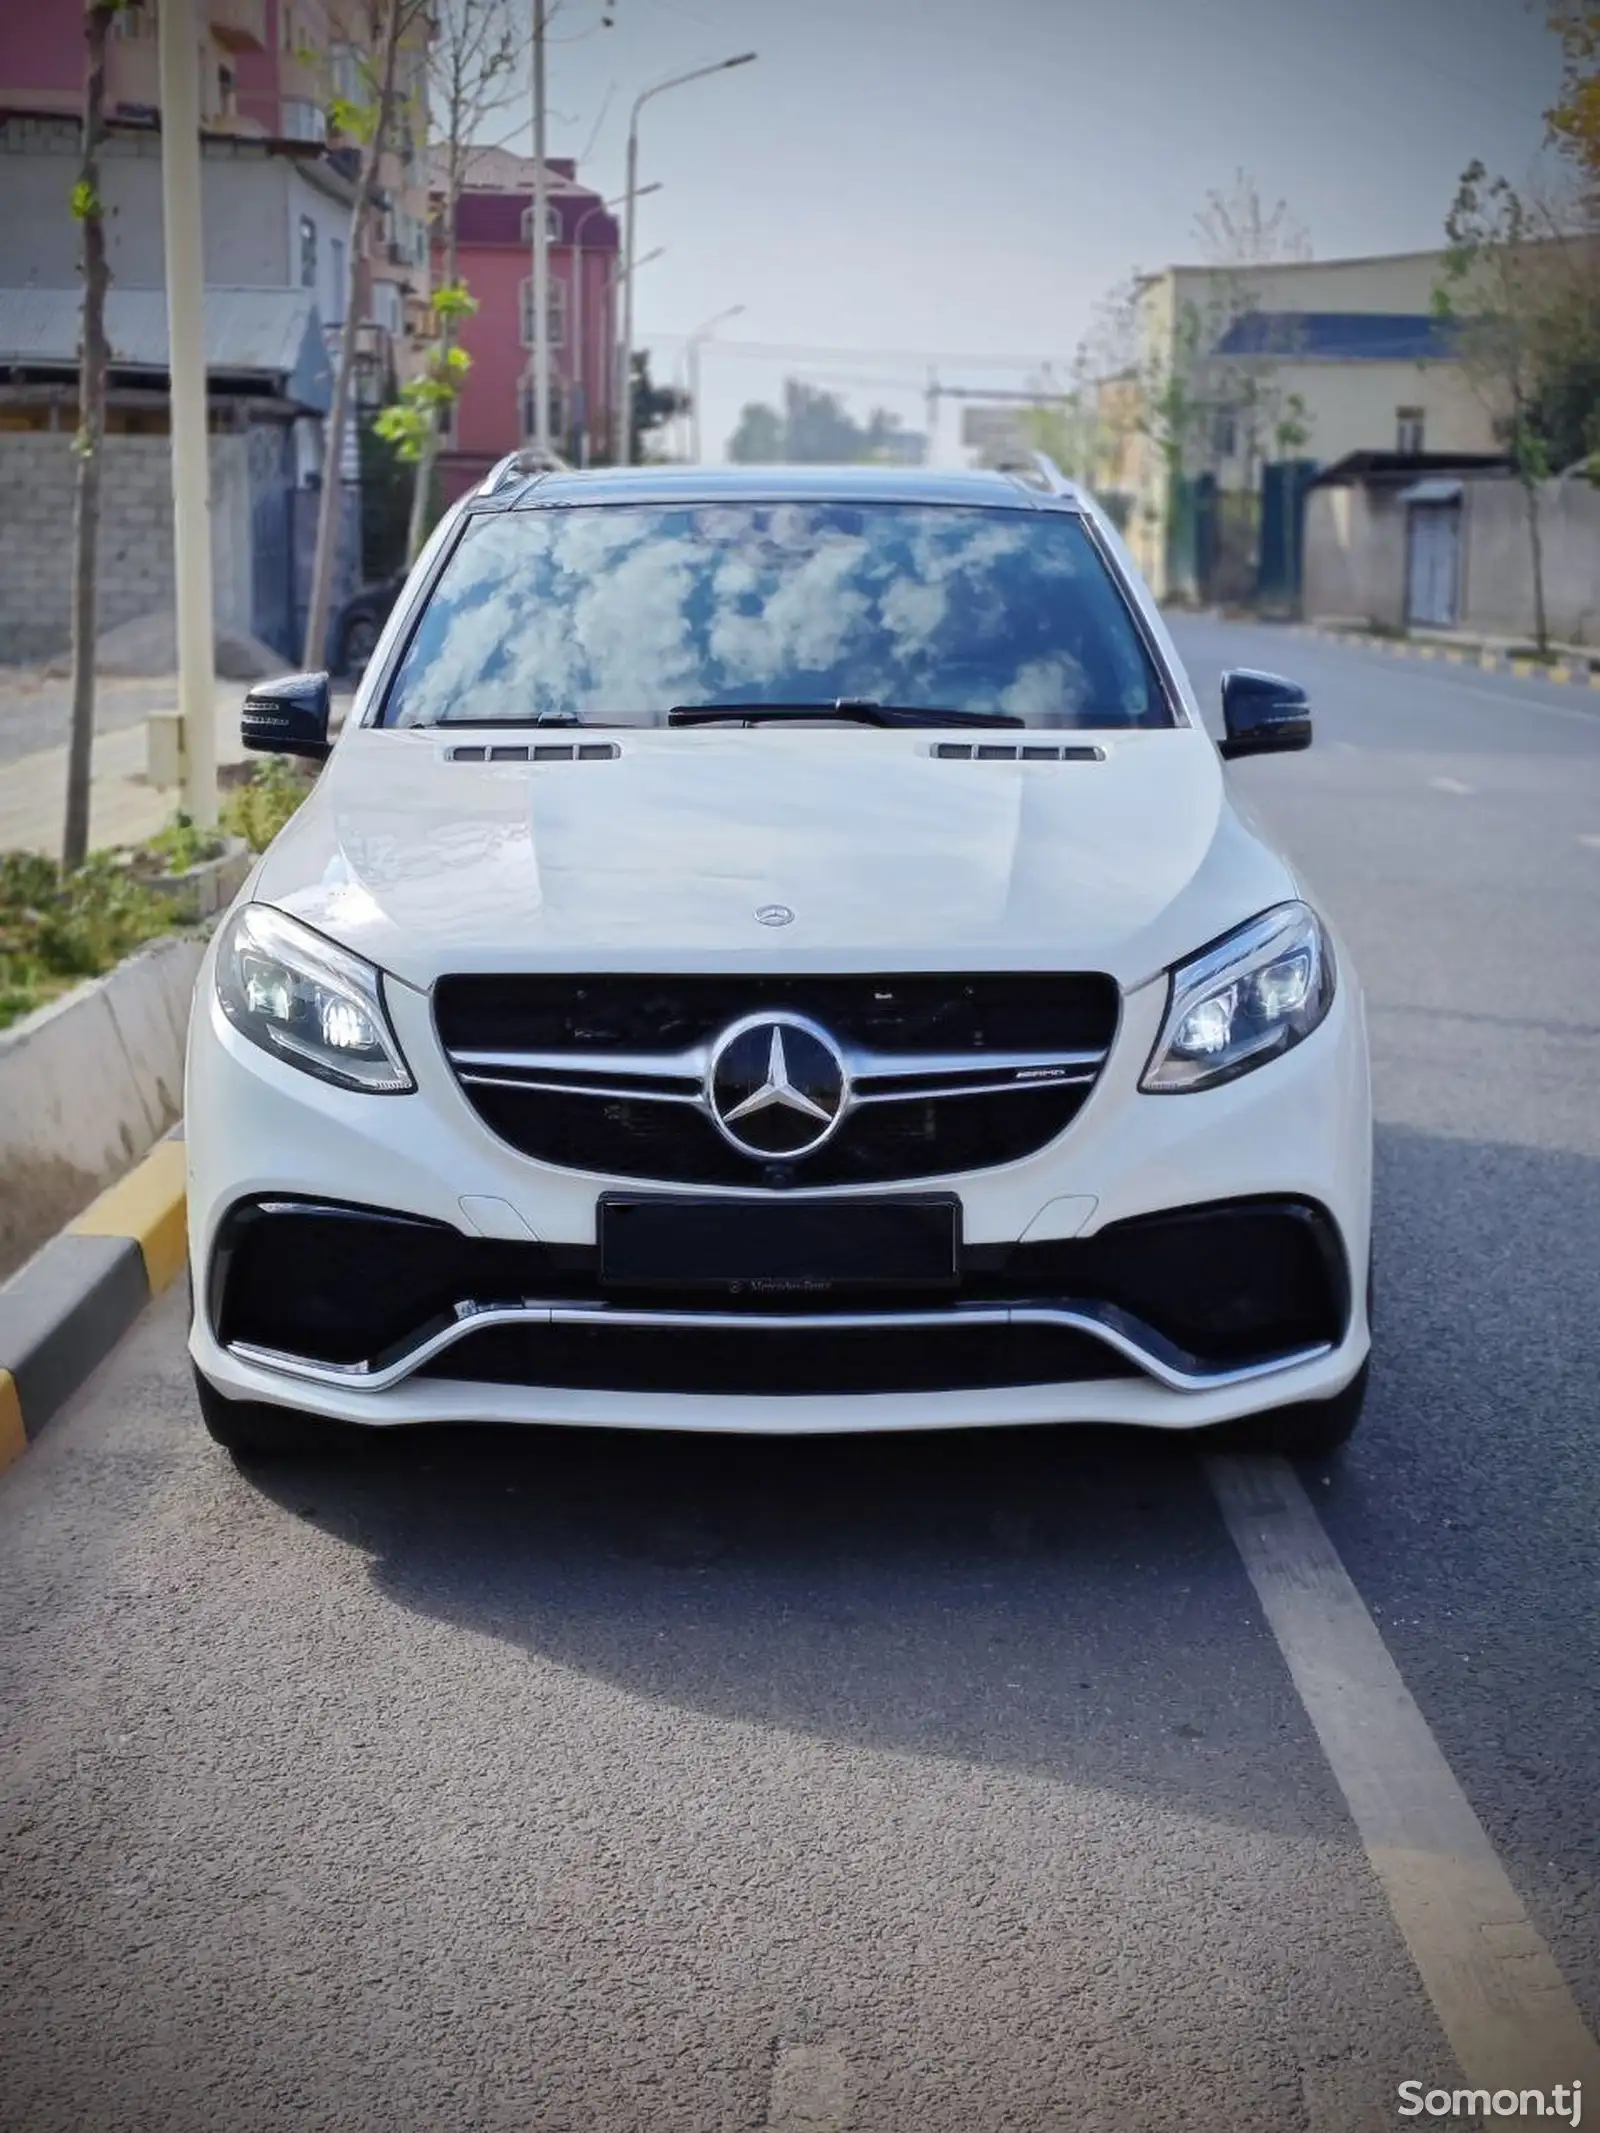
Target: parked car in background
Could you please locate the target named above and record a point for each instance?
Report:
(359, 623)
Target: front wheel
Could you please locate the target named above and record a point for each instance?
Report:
(253, 1430)
(1314, 1429)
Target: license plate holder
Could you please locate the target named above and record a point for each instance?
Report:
(788, 1247)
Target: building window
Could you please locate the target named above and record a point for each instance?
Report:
(552, 223)
(555, 312)
(558, 410)
(386, 306)
(1224, 433)
(349, 82)
(303, 121)
(336, 276)
(227, 93)
(308, 253)
(1410, 425)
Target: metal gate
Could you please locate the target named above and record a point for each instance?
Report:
(1433, 564)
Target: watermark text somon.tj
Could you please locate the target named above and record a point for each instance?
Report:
(1565, 2100)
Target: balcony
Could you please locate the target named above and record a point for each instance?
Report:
(133, 74)
(239, 25)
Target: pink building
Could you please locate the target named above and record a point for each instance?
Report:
(495, 413)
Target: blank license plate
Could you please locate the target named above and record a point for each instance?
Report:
(657, 1241)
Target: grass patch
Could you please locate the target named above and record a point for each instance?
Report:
(262, 801)
(58, 929)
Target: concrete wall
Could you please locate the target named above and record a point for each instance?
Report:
(87, 1086)
(37, 475)
(1353, 407)
(1355, 557)
(1497, 561)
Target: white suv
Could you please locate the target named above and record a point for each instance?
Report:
(775, 950)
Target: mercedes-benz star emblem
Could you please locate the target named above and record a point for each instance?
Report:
(777, 1086)
(774, 915)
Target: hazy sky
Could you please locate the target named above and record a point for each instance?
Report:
(962, 178)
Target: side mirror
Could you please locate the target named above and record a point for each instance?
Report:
(1263, 714)
(288, 717)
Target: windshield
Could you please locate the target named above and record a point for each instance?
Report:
(612, 615)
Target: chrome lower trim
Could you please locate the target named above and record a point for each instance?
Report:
(1127, 1336)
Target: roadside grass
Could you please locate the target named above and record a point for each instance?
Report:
(57, 930)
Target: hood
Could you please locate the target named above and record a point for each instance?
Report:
(889, 856)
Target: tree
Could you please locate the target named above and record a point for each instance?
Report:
(1574, 118)
(366, 123)
(758, 441)
(1234, 230)
(653, 405)
(477, 47)
(814, 429)
(1494, 290)
(89, 209)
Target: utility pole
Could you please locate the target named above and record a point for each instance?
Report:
(541, 242)
(179, 47)
(932, 399)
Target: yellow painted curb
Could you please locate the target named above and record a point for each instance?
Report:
(13, 1437)
(1558, 672)
(147, 1206)
(1456, 659)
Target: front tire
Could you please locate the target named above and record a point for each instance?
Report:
(1315, 1429)
(253, 1431)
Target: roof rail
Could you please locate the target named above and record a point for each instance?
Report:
(523, 465)
(1039, 471)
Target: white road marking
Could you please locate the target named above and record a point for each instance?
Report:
(1451, 785)
(1585, 838)
(1494, 1985)
(810, 2092)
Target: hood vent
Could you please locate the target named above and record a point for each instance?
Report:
(1016, 752)
(534, 752)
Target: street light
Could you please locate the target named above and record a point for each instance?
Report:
(691, 363)
(721, 66)
(577, 311)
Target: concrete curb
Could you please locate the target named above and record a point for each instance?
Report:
(87, 1087)
(1563, 673)
(64, 1312)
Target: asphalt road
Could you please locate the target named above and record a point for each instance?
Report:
(908, 1787)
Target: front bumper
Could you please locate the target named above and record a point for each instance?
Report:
(497, 1314)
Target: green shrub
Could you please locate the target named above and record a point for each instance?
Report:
(56, 930)
(258, 809)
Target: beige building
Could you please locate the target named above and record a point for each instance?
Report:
(1238, 366)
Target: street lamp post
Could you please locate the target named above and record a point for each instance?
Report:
(577, 312)
(741, 59)
(692, 372)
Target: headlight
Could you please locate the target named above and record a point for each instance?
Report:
(309, 1003)
(1243, 1002)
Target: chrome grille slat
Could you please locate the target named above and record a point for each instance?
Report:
(943, 1073)
(1122, 1334)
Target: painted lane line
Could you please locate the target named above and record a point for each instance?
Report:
(1451, 785)
(811, 2090)
(1500, 1999)
(1585, 837)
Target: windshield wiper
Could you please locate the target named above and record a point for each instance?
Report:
(849, 710)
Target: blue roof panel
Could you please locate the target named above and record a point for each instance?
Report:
(1341, 336)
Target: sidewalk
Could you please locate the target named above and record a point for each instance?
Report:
(1572, 665)
(123, 805)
